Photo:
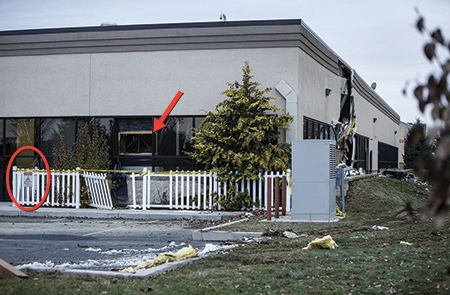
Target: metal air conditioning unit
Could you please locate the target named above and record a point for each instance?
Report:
(314, 180)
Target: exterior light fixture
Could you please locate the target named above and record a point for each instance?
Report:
(374, 120)
(327, 91)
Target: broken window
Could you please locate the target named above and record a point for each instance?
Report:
(313, 129)
(136, 143)
(136, 137)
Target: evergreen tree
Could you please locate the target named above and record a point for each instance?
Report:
(417, 146)
(240, 139)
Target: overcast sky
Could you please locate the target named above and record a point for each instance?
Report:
(377, 38)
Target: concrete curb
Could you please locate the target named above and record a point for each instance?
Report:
(208, 234)
(6, 209)
(149, 272)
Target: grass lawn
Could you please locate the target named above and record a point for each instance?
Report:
(366, 261)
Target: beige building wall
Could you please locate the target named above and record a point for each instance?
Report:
(312, 101)
(134, 83)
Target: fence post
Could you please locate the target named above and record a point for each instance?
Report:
(77, 188)
(283, 195)
(14, 183)
(170, 190)
(277, 196)
(269, 198)
(145, 184)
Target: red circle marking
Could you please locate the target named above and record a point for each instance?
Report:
(47, 188)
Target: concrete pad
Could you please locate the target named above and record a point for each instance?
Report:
(289, 219)
(8, 209)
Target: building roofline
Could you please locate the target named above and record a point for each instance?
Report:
(186, 25)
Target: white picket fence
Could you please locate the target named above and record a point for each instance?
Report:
(98, 190)
(195, 190)
(28, 187)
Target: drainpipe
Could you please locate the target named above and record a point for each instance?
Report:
(291, 107)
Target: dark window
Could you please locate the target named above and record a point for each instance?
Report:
(387, 156)
(313, 129)
(20, 133)
(174, 163)
(51, 134)
(136, 143)
(362, 148)
(174, 139)
(1, 138)
(135, 124)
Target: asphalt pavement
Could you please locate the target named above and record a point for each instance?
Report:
(66, 238)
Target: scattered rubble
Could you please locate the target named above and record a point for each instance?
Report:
(404, 176)
(326, 242)
(183, 253)
(377, 227)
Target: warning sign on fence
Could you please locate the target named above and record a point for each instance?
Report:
(28, 181)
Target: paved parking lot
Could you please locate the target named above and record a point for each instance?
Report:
(90, 243)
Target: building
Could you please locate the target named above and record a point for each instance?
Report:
(55, 79)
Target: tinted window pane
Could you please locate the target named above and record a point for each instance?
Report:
(1, 138)
(3, 194)
(135, 124)
(174, 139)
(198, 121)
(20, 133)
(173, 164)
(50, 134)
(184, 135)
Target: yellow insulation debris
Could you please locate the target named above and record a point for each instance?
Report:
(405, 243)
(184, 253)
(326, 242)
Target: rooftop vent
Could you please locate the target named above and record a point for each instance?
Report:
(108, 24)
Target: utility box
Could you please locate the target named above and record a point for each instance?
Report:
(314, 180)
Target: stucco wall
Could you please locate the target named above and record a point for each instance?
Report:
(313, 79)
(44, 85)
(134, 83)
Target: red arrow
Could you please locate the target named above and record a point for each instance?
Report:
(158, 124)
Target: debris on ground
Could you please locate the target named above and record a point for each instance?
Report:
(183, 253)
(280, 233)
(326, 242)
(196, 223)
(357, 237)
(397, 174)
(339, 212)
(290, 235)
(258, 240)
(404, 176)
(378, 227)
(405, 243)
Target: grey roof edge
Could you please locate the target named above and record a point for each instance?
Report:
(211, 24)
(374, 98)
(176, 36)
